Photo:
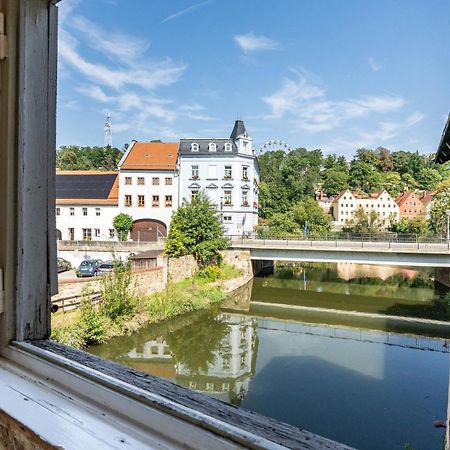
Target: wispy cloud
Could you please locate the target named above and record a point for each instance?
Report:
(304, 101)
(250, 43)
(122, 78)
(185, 11)
(374, 65)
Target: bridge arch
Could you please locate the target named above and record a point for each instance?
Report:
(148, 230)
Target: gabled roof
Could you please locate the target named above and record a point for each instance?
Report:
(406, 195)
(86, 187)
(443, 152)
(376, 194)
(427, 197)
(238, 129)
(150, 156)
(340, 195)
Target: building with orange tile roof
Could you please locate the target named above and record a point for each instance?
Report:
(410, 205)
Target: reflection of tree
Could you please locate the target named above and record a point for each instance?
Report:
(196, 344)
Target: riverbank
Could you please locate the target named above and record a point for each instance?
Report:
(124, 309)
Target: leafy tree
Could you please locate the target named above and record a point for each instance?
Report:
(363, 222)
(73, 157)
(417, 226)
(438, 213)
(122, 224)
(364, 176)
(281, 224)
(335, 181)
(196, 230)
(385, 159)
(366, 156)
(307, 213)
(428, 179)
(392, 182)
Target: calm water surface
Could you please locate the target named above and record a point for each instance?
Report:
(368, 388)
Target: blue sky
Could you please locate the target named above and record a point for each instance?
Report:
(336, 75)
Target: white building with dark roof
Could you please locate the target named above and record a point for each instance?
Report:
(227, 170)
(86, 204)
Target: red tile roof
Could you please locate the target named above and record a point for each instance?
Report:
(151, 156)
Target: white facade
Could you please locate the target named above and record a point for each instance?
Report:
(148, 194)
(347, 202)
(227, 171)
(79, 222)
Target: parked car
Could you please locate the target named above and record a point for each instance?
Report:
(63, 265)
(105, 268)
(88, 267)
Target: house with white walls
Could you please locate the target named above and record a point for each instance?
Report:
(227, 170)
(148, 188)
(86, 204)
(347, 202)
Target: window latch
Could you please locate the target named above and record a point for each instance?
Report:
(3, 39)
(2, 292)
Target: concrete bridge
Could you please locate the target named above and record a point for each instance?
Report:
(418, 254)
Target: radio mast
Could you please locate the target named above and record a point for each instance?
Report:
(108, 131)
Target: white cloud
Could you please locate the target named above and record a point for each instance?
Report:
(374, 65)
(185, 11)
(304, 101)
(250, 43)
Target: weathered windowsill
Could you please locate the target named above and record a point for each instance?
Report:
(54, 388)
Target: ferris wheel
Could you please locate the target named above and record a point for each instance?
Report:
(274, 145)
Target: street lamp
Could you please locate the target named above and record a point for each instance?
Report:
(448, 224)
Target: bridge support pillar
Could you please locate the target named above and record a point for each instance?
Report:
(263, 267)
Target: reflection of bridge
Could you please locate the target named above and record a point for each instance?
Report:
(357, 334)
(419, 254)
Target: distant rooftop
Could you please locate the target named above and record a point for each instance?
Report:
(151, 156)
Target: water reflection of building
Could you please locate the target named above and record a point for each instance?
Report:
(349, 271)
(228, 377)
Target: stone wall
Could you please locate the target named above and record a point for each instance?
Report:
(181, 268)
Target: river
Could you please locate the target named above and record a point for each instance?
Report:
(275, 348)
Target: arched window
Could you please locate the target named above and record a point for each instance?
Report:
(212, 147)
(194, 147)
(228, 147)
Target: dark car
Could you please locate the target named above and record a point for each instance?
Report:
(88, 267)
(63, 265)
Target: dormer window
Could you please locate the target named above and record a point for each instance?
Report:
(194, 147)
(228, 147)
(212, 147)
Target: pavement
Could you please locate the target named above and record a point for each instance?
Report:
(69, 274)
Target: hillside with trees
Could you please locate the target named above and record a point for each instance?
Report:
(290, 180)
(73, 157)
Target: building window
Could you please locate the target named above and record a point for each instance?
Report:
(194, 172)
(194, 194)
(244, 198)
(127, 180)
(168, 201)
(87, 234)
(141, 181)
(168, 181)
(228, 173)
(212, 147)
(227, 219)
(128, 201)
(58, 211)
(155, 201)
(245, 173)
(72, 211)
(97, 232)
(97, 211)
(227, 197)
(71, 234)
(155, 181)
(84, 211)
(194, 147)
(141, 201)
(228, 147)
(112, 233)
(226, 363)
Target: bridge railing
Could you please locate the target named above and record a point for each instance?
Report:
(341, 237)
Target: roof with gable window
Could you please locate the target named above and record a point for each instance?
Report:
(150, 156)
(203, 146)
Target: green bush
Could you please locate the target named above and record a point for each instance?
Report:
(93, 324)
(117, 300)
(211, 273)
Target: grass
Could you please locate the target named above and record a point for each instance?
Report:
(120, 312)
